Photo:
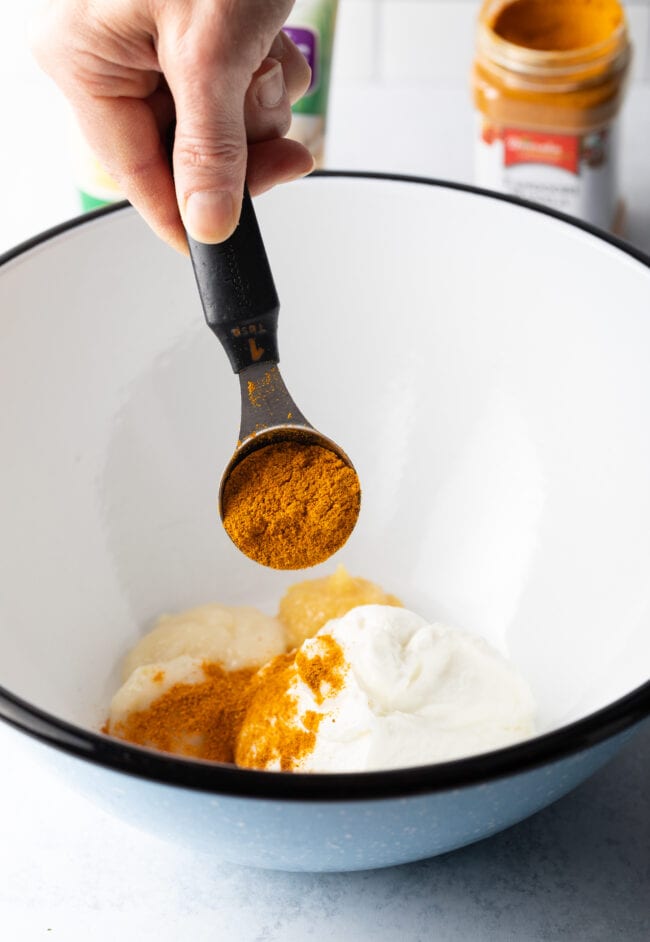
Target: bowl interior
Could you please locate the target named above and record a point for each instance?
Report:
(485, 367)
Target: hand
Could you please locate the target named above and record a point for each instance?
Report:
(222, 66)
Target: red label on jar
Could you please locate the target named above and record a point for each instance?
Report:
(529, 147)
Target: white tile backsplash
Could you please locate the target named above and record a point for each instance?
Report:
(357, 40)
(426, 41)
(405, 41)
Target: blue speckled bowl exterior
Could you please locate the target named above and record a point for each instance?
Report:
(329, 835)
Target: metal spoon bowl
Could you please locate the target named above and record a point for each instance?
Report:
(269, 415)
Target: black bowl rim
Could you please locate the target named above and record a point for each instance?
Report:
(215, 778)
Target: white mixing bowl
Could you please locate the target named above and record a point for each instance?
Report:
(484, 364)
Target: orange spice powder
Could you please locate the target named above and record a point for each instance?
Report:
(557, 25)
(289, 505)
(274, 730)
(245, 716)
(199, 720)
(323, 673)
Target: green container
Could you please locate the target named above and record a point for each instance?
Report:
(311, 26)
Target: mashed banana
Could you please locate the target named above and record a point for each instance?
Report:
(235, 636)
(310, 604)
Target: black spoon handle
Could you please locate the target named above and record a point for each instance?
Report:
(236, 287)
(237, 291)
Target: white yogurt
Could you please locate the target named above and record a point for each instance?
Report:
(413, 693)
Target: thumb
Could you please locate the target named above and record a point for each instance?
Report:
(210, 148)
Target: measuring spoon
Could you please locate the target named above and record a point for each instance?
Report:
(241, 307)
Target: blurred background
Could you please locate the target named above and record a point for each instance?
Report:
(400, 101)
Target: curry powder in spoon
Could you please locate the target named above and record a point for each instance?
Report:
(290, 505)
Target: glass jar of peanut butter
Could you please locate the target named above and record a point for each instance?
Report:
(548, 82)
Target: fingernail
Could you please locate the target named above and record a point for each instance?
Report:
(209, 215)
(270, 87)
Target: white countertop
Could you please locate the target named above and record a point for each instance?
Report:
(576, 871)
